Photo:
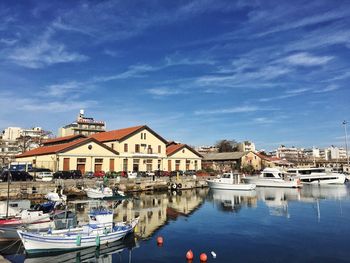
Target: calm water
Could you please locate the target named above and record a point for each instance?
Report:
(267, 225)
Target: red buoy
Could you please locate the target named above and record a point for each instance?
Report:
(160, 241)
(203, 257)
(189, 255)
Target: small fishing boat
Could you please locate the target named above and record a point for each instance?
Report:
(56, 197)
(37, 218)
(100, 230)
(272, 177)
(229, 181)
(103, 192)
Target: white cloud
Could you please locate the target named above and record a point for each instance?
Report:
(164, 91)
(43, 52)
(327, 89)
(306, 59)
(242, 109)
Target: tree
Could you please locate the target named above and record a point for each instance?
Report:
(248, 169)
(226, 146)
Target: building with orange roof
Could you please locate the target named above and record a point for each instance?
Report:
(137, 148)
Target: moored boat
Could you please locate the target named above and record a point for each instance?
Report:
(229, 181)
(317, 176)
(272, 177)
(100, 230)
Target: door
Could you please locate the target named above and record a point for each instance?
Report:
(111, 165)
(81, 167)
(66, 164)
(169, 165)
(98, 167)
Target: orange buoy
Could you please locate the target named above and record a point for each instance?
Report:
(189, 255)
(203, 257)
(160, 241)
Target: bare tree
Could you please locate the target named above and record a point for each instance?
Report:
(227, 146)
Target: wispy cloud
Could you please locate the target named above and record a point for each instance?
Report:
(243, 109)
(165, 91)
(43, 52)
(306, 59)
(327, 89)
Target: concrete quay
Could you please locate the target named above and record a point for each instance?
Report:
(74, 187)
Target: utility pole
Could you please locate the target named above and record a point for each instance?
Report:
(346, 142)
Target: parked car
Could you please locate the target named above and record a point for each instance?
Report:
(99, 174)
(141, 174)
(72, 174)
(112, 174)
(190, 172)
(16, 176)
(161, 173)
(89, 174)
(44, 176)
(34, 171)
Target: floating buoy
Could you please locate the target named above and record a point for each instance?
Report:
(203, 257)
(189, 255)
(160, 241)
(213, 254)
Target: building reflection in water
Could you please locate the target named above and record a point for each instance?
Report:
(154, 209)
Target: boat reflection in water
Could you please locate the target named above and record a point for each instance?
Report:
(277, 200)
(233, 201)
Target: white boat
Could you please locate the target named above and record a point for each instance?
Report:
(38, 218)
(99, 192)
(229, 181)
(272, 177)
(100, 230)
(56, 197)
(317, 176)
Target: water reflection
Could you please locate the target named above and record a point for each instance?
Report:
(276, 199)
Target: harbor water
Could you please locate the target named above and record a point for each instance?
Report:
(266, 225)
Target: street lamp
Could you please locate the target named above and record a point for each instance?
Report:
(346, 142)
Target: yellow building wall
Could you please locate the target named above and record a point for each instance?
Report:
(42, 161)
(83, 151)
(251, 159)
(182, 156)
(146, 161)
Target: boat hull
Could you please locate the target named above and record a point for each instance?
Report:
(39, 242)
(322, 180)
(260, 182)
(92, 193)
(226, 186)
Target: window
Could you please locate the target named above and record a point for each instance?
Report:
(137, 148)
(144, 136)
(141, 135)
(112, 146)
(125, 165)
(125, 147)
(98, 160)
(81, 160)
(159, 149)
(149, 150)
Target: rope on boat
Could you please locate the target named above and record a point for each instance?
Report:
(9, 246)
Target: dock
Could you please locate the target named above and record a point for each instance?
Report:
(74, 187)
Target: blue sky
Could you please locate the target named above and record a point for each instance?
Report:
(274, 72)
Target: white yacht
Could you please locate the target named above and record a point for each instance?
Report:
(229, 181)
(272, 177)
(317, 176)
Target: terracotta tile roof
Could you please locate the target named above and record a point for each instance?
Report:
(63, 139)
(173, 148)
(50, 149)
(116, 135)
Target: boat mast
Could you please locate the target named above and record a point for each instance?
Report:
(8, 193)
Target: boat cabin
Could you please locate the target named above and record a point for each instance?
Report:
(272, 173)
(230, 178)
